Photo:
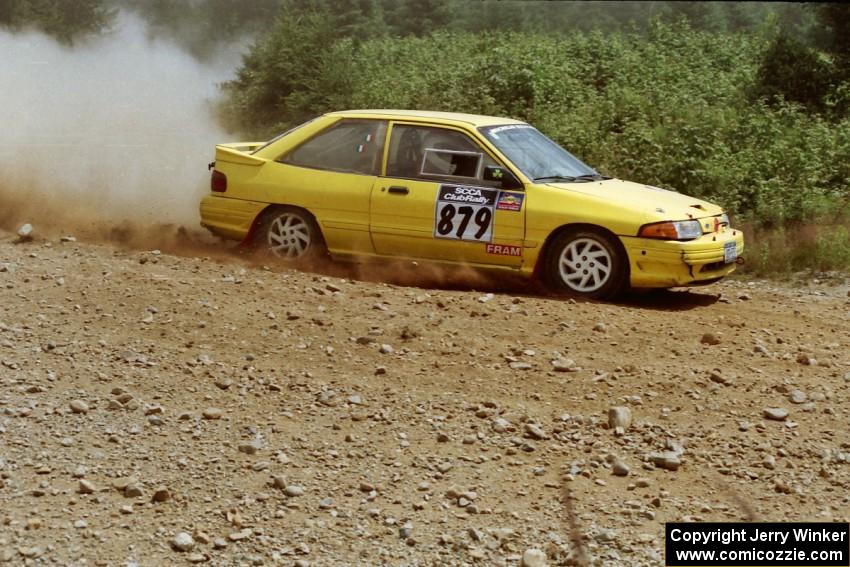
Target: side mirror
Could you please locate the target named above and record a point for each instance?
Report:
(502, 175)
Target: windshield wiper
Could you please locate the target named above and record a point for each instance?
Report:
(555, 178)
(593, 177)
(585, 178)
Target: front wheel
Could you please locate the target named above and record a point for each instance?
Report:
(291, 235)
(587, 263)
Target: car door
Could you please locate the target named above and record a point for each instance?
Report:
(432, 202)
(332, 175)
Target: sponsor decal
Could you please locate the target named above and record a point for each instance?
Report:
(465, 194)
(510, 201)
(496, 131)
(504, 250)
(465, 213)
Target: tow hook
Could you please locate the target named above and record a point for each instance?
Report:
(740, 261)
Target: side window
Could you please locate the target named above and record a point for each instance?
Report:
(351, 146)
(425, 152)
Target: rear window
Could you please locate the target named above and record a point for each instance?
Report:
(279, 136)
(349, 146)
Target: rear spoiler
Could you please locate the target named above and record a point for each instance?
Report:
(237, 153)
(244, 146)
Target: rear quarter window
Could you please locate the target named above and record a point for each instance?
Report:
(348, 146)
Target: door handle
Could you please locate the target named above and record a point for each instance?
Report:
(398, 190)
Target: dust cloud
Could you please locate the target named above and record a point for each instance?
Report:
(109, 141)
(115, 132)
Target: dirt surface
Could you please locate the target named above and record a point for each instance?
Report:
(162, 409)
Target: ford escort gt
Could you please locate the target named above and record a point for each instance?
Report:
(455, 188)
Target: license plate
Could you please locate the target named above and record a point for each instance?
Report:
(730, 252)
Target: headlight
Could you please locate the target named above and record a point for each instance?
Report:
(724, 220)
(672, 230)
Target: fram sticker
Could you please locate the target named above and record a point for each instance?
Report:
(504, 250)
(510, 201)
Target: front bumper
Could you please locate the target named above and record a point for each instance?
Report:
(669, 263)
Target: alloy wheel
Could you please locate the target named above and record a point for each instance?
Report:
(585, 265)
(289, 236)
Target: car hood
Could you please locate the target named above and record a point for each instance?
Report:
(656, 202)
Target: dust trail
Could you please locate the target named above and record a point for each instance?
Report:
(114, 131)
(108, 141)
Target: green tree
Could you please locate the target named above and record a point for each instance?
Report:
(834, 20)
(203, 26)
(66, 21)
(418, 17)
(278, 82)
(794, 72)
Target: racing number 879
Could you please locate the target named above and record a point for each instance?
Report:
(481, 218)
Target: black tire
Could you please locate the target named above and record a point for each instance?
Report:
(586, 263)
(289, 235)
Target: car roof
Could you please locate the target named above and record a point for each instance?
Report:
(428, 115)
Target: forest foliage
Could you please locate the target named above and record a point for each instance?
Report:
(752, 115)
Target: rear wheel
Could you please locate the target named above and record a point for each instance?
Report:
(291, 235)
(587, 263)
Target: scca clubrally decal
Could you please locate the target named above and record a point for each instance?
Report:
(465, 213)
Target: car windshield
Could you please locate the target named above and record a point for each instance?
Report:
(537, 156)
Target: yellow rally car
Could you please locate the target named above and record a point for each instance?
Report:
(458, 188)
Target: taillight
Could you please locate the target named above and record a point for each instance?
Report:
(218, 181)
